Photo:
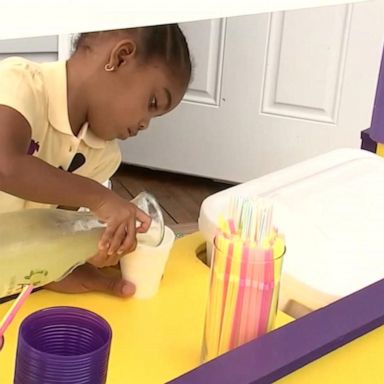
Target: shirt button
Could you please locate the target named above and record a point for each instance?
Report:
(70, 148)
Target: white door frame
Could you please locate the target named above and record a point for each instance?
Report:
(64, 46)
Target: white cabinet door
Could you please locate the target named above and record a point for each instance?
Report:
(268, 91)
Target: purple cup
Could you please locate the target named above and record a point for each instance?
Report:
(63, 345)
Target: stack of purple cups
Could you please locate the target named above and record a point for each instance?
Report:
(63, 345)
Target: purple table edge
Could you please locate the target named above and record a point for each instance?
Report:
(376, 131)
(296, 344)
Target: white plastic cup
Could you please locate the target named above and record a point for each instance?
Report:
(145, 266)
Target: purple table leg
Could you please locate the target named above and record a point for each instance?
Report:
(377, 125)
(366, 142)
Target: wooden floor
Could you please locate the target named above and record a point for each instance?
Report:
(180, 196)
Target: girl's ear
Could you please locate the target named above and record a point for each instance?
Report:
(122, 53)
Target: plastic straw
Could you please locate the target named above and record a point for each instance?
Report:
(10, 315)
(235, 210)
(216, 304)
(278, 251)
(257, 276)
(244, 323)
(267, 292)
(242, 301)
(232, 276)
(245, 276)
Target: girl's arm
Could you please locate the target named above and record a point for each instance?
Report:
(31, 178)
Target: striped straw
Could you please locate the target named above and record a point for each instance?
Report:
(245, 275)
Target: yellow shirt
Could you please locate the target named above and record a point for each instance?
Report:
(39, 93)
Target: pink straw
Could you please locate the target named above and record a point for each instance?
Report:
(267, 292)
(9, 316)
(227, 275)
(235, 335)
(256, 295)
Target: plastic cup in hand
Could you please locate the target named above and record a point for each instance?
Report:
(63, 345)
(155, 234)
(145, 265)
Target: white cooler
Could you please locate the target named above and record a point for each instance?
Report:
(331, 210)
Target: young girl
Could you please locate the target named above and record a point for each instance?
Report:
(59, 122)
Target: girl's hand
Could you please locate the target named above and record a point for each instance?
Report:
(87, 278)
(103, 259)
(119, 237)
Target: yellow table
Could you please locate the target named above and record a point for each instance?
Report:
(153, 340)
(358, 362)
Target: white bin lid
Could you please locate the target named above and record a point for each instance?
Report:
(331, 209)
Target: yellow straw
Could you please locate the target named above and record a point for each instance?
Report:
(215, 307)
(211, 316)
(278, 251)
(231, 298)
(224, 226)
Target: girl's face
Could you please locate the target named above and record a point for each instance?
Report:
(122, 102)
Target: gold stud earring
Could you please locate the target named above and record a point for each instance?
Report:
(109, 68)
